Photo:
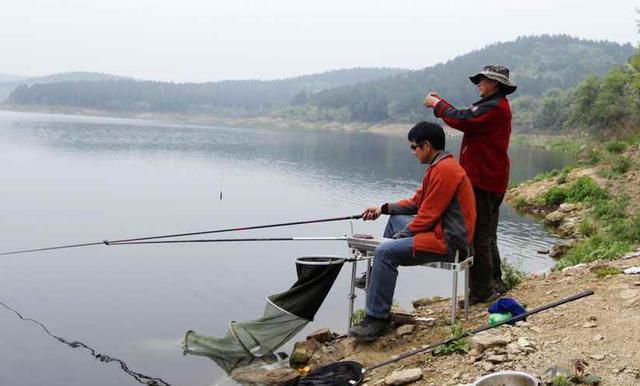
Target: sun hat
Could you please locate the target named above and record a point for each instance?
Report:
(497, 73)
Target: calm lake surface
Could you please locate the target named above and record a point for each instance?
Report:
(69, 179)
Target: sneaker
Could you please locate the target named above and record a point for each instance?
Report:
(361, 282)
(473, 299)
(370, 329)
(500, 287)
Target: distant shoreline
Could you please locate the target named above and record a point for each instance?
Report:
(262, 122)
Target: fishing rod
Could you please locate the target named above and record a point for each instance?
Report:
(122, 241)
(352, 372)
(331, 238)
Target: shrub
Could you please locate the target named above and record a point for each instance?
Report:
(511, 275)
(604, 270)
(621, 165)
(616, 147)
(594, 156)
(611, 208)
(520, 203)
(626, 229)
(555, 196)
(587, 228)
(585, 190)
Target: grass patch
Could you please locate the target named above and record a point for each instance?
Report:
(604, 270)
(458, 345)
(511, 275)
(587, 228)
(358, 316)
(565, 145)
(597, 247)
(609, 209)
(545, 175)
(555, 196)
(621, 164)
(616, 147)
(561, 380)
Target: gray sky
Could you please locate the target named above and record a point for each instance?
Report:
(199, 40)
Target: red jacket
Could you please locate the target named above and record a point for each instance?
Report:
(487, 128)
(444, 206)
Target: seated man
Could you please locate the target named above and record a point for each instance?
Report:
(445, 215)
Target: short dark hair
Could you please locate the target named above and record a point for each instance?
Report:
(428, 131)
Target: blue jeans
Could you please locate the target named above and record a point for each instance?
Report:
(387, 257)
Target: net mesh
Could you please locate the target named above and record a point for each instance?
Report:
(284, 316)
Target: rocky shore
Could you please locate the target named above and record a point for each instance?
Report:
(592, 341)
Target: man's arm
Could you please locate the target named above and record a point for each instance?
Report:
(442, 189)
(476, 119)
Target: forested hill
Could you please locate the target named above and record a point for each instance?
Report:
(229, 97)
(538, 63)
(10, 83)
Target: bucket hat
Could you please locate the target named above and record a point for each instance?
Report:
(497, 73)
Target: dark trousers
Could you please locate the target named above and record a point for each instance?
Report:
(486, 263)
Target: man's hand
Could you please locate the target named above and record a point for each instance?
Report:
(371, 213)
(431, 100)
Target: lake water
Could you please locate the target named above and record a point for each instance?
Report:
(68, 179)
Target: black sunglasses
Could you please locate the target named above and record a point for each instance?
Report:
(417, 145)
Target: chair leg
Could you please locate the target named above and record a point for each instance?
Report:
(466, 292)
(454, 297)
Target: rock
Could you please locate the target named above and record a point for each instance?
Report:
(523, 343)
(277, 377)
(401, 377)
(554, 218)
(322, 335)
(488, 367)
(496, 359)
(632, 271)
(574, 267)
(634, 302)
(631, 255)
(484, 341)
(400, 316)
(405, 329)
(597, 337)
(348, 345)
(302, 353)
(567, 207)
(589, 325)
(558, 250)
(597, 357)
(521, 323)
(513, 348)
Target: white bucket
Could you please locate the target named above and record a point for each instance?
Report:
(507, 378)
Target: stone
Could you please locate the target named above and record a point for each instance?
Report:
(598, 337)
(322, 335)
(597, 357)
(495, 359)
(589, 325)
(402, 377)
(559, 250)
(574, 267)
(400, 316)
(405, 329)
(482, 341)
(302, 353)
(488, 367)
(567, 207)
(523, 343)
(277, 377)
(513, 348)
(554, 218)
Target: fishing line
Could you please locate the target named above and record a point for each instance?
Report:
(141, 378)
(122, 241)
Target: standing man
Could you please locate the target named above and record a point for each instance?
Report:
(431, 226)
(483, 155)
